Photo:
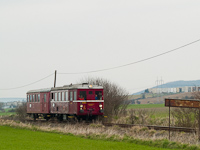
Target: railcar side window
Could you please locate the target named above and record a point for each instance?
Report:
(45, 97)
(59, 96)
(38, 97)
(55, 96)
(74, 95)
(52, 96)
(66, 95)
(63, 96)
(71, 96)
(30, 98)
(33, 98)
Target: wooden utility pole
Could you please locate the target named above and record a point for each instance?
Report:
(55, 79)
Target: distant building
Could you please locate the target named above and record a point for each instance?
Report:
(175, 90)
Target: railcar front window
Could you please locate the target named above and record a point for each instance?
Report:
(82, 95)
(98, 95)
(27, 98)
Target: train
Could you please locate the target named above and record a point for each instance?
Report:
(75, 101)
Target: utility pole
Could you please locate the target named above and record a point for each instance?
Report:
(55, 79)
(159, 83)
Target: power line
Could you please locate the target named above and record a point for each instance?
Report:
(135, 61)
(28, 84)
(109, 68)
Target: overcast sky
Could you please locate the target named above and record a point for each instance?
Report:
(39, 37)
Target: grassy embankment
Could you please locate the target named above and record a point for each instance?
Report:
(14, 138)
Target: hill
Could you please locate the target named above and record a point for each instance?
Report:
(175, 84)
(160, 100)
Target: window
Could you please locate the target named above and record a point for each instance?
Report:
(66, 95)
(38, 97)
(27, 98)
(74, 95)
(98, 95)
(33, 98)
(71, 96)
(30, 98)
(82, 95)
(55, 96)
(63, 96)
(52, 96)
(45, 97)
(90, 92)
(59, 96)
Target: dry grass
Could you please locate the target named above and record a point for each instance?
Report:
(102, 132)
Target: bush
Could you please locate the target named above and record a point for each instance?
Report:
(21, 112)
(115, 97)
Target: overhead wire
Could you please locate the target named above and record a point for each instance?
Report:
(175, 49)
(28, 84)
(109, 68)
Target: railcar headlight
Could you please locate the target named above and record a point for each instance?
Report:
(81, 106)
(100, 105)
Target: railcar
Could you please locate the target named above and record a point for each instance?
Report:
(80, 101)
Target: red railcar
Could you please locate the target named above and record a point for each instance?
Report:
(82, 101)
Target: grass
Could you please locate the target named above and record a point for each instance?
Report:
(7, 113)
(139, 106)
(15, 138)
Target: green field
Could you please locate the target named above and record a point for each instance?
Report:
(7, 113)
(136, 106)
(159, 109)
(22, 139)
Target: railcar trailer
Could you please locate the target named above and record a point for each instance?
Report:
(81, 101)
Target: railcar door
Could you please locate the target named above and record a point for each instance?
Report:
(72, 102)
(45, 102)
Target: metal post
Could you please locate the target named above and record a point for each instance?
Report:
(169, 119)
(55, 79)
(199, 125)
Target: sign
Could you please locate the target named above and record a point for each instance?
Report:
(182, 103)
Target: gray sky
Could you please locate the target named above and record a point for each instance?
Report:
(39, 37)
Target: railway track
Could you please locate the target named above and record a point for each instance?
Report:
(166, 128)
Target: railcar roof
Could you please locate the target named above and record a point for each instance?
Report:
(40, 90)
(77, 86)
(67, 87)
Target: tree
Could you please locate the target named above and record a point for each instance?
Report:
(115, 97)
(146, 91)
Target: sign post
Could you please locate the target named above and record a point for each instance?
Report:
(182, 103)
